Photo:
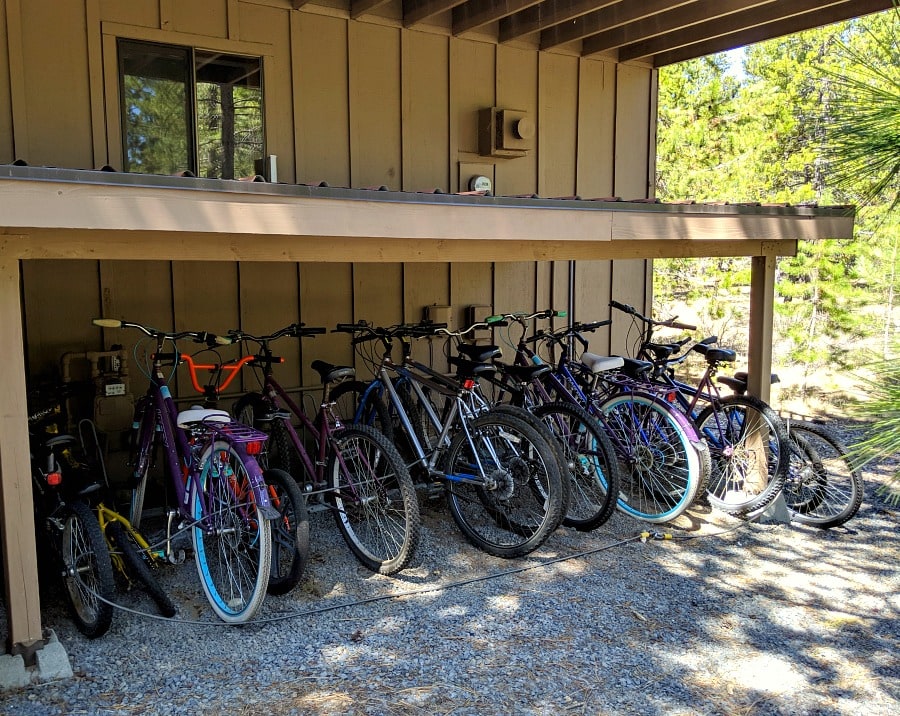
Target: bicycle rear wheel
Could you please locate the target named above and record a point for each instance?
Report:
(592, 469)
(822, 489)
(659, 465)
(750, 451)
(232, 540)
(137, 567)
(87, 571)
(503, 485)
(290, 533)
(375, 504)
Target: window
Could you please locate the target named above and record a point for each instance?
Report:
(190, 110)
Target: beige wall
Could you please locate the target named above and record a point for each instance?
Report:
(353, 103)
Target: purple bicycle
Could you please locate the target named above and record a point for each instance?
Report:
(220, 492)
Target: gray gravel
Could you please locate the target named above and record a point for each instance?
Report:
(727, 618)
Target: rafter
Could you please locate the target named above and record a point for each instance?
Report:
(606, 18)
(709, 28)
(416, 11)
(358, 8)
(547, 14)
(471, 15)
(798, 23)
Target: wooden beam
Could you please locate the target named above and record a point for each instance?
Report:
(777, 12)
(671, 21)
(416, 11)
(297, 4)
(606, 18)
(358, 8)
(762, 312)
(547, 14)
(766, 31)
(16, 503)
(472, 15)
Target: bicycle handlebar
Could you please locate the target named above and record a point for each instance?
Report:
(210, 339)
(670, 323)
(294, 330)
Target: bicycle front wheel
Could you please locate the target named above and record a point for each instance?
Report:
(822, 489)
(290, 532)
(592, 468)
(749, 447)
(87, 571)
(232, 540)
(659, 466)
(503, 485)
(137, 567)
(373, 497)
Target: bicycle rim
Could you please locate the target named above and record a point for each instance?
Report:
(658, 466)
(749, 448)
(232, 541)
(517, 500)
(375, 504)
(822, 487)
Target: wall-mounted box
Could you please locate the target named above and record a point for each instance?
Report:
(504, 132)
(478, 314)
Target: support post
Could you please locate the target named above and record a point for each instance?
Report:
(16, 503)
(762, 309)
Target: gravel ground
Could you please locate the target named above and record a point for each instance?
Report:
(728, 617)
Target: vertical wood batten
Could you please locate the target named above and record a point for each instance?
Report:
(17, 526)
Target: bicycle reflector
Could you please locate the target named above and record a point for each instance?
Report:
(670, 396)
(468, 384)
(254, 447)
(54, 478)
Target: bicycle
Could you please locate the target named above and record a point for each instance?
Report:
(823, 487)
(500, 477)
(219, 488)
(290, 532)
(656, 446)
(588, 456)
(351, 469)
(748, 442)
(62, 485)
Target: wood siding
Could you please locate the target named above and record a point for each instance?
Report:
(352, 103)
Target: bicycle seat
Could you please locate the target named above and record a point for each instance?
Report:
(634, 368)
(330, 373)
(188, 417)
(662, 351)
(743, 375)
(715, 355)
(477, 353)
(600, 364)
(523, 373)
(470, 369)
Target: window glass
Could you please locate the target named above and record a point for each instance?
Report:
(187, 110)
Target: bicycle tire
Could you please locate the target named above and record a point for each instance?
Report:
(659, 465)
(823, 488)
(290, 533)
(523, 505)
(142, 456)
(373, 498)
(591, 464)
(348, 397)
(749, 466)
(137, 567)
(234, 557)
(87, 570)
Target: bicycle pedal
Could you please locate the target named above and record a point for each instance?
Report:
(434, 490)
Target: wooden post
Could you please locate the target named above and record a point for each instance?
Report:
(762, 302)
(16, 504)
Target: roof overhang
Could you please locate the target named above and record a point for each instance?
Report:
(65, 213)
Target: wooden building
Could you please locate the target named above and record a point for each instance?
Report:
(374, 128)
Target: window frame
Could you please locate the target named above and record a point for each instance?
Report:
(104, 68)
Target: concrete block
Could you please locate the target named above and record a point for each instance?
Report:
(52, 661)
(13, 674)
